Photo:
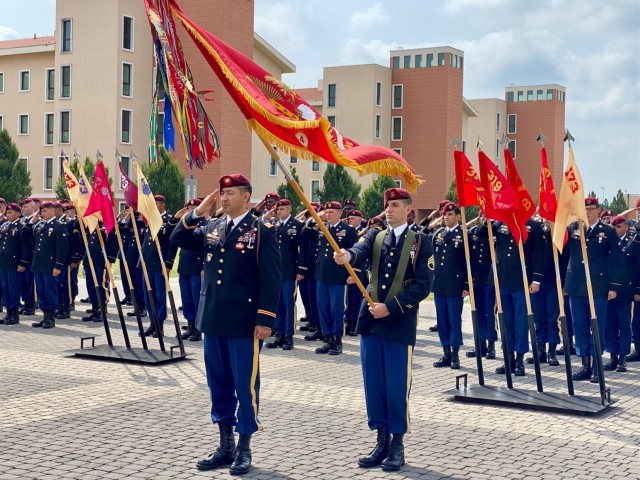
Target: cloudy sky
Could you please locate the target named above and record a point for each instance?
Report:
(591, 47)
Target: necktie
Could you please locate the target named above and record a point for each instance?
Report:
(229, 228)
(393, 238)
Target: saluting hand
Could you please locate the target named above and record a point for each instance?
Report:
(261, 332)
(208, 203)
(180, 213)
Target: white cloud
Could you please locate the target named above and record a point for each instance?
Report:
(374, 16)
(355, 51)
(282, 24)
(7, 33)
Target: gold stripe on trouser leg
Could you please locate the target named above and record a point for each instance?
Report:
(35, 292)
(344, 301)
(105, 279)
(254, 377)
(69, 284)
(295, 306)
(409, 360)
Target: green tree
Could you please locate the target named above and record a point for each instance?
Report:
(338, 185)
(452, 196)
(15, 179)
(373, 196)
(286, 191)
(166, 178)
(618, 203)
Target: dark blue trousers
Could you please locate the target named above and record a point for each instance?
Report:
(635, 323)
(354, 301)
(10, 288)
(190, 295)
(569, 317)
(64, 286)
(284, 323)
(103, 281)
(514, 307)
(125, 282)
(485, 297)
(73, 281)
(449, 319)
(386, 370)
(582, 323)
(138, 282)
(331, 307)
(233, 376)
(159, 297)
(28, 286)
(546, 314)
(47, 289)
(308, 293)
(617, 335)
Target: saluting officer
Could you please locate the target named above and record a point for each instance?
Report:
(265, 206)
(49, 254)
(154, 267)
(354, 295)
(14, 257)
(332, 279)
(307, 286)
(601, 241)
(74, 257)
(27, 281)
(288, 231)
(400, 280)
(450, 285)
(240, 290)
(190, 279)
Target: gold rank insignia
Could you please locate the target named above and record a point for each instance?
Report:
(431, 263)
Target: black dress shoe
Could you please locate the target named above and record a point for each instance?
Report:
(379, 452)
(585, 372)
(288, 342)
(445, 360)
(491, 350)
(150, 331)
(433, 328)
(85, 300)
(196, 336)
(91, 317)
(328, 343)
(518, 371)
(336, 348)
(155, 333)
(317, 335)
(38, 324)
(635, 355)
(395, 459)
(304, 328)
(189, 331)
(455, 358)
(224, 454)
(276, 342)
(242, 463)
(622, 364)
(611, 364)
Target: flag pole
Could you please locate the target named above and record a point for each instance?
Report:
(172, 301)
(315, 216)
(114, 289)
(152, 303)
(132, 289)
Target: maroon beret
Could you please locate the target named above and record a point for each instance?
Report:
(443, 203)
(65, 200)
(15, 207)
(590, 201)
(35, 199)
(450, 207)
(355, 213)
(234, 180)
(283, 202)
(333, 205)
(26, 200)
(159, 198)
(194, 202)
(47, 205)
(617, 220)
(395, 194)
(638, 203)
(375, 220)
(607, 213)
(68, 206)
(315, 205)
(351, 203)
(57, 204)
(272, 196)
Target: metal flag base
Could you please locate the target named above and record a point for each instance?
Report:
(529, 399)
(127, 355)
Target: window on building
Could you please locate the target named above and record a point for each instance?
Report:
(451, 60)
(397, 96)
(441, 60)
(497, 148)
(48, 128)
(50, 82)
(497, 122)
(24, 160)
(315, 166)
(125, 126)
(1, 123)
(24, 81)
(160, 131)
(397, 150)
(293, 160)
(332, 120)
(273, 168)
(539, 95)
(65, 126)
(315, 190)
(529, 95)
(512, 123)
(407, 61)
(398, 183)
(331, 91)
(395, 62)
(464, 146)
(509, 96)
(378, 94)
(127, 73)
(429, 59)
(1, 82)
(65, 40)
(127, 33)
(126, 166)
(396, 132)
(61, 160)
(418, 61)
(560, 96)
(377, 126)
(520, 96)
(48, 173)
(512, 148)
(460, 60)
(65, 81)
(549, 94)
(23, 124)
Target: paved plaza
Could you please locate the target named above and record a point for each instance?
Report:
(69, 418)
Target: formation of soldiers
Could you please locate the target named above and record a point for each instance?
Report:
(41, 250)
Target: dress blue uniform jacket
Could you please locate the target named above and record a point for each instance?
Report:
(308, 252)
(26, 235)
(242, 274)
(328, 271)
(450, 264)
(289, 240)
(13, 251)
(480, 258)
(110, 245)
(150, 251)
(627, 267)
(401, 325)
(549, 275)
(50, 245)
(76, 246)
(600, 240)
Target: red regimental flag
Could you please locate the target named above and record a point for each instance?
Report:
(281, 117)
(129, 188)
(502, 199)
(548, 200)
(469, 189)
(102, 199)
(525, 208)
